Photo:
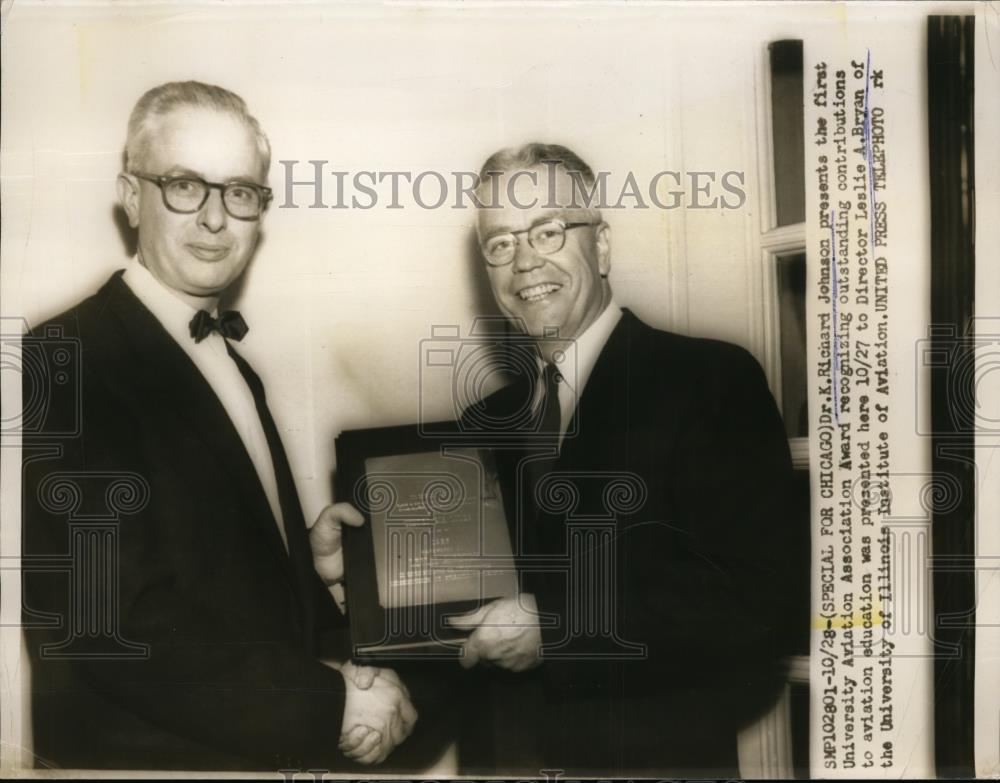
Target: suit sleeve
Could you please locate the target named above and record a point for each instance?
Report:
(706, 591)
(208, 675)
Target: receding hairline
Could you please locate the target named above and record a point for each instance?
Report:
(542, 204)
(156, 124)
(166, 100)
(542, 156)
(534, 154)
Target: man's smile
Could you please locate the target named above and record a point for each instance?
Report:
(208, 252)
(537, 293)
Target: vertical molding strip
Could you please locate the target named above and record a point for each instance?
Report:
(950, 102)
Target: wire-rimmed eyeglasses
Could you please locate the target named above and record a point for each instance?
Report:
(546, 238)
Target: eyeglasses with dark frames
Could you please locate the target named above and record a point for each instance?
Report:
(546, 238)
(186, 194)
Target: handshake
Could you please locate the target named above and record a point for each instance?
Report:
(378, 714)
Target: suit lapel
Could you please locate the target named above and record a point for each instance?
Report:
(299, 550)
(599, 429)
(168, 379)
(595, 443)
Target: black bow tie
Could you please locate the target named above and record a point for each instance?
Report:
(230, 324)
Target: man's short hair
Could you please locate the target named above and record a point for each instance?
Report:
(535, 154)
(163, 99)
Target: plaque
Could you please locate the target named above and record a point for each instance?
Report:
(435, 542)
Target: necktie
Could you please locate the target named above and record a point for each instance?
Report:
(544, 441)
(230, 324)
(550, 414)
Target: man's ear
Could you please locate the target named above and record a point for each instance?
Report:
(128, 197)
(602, 238)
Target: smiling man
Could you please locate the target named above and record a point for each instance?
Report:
(548, 265)
(648, 497)
(198, 647)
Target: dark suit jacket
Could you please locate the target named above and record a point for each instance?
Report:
(670, 584)
(231, 679)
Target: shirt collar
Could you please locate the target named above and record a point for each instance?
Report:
(579, 358)
(173, 313)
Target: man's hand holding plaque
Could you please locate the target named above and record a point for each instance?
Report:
(505, 633)
(327, 551)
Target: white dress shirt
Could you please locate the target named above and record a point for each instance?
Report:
(576, 363)
(219, 370)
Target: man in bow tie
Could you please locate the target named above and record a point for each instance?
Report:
(648, 497)
(204, 648)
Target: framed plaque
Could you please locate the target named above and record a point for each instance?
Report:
(435, 542)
